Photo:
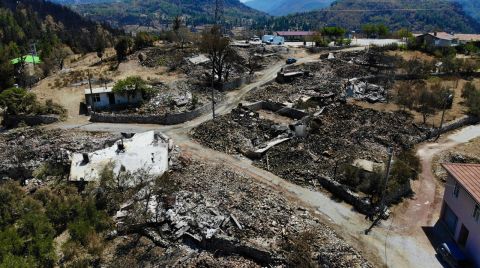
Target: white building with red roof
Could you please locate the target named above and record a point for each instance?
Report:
(461, 207)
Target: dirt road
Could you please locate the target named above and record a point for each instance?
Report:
(398, 242)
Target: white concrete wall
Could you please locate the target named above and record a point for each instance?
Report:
(119, 99)
(463, 207)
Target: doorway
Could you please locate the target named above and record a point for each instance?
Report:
(111, 98)
(463, 236)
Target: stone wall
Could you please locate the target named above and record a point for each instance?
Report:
(168, 119)
(12, 121)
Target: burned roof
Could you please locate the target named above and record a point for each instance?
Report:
(468, 175)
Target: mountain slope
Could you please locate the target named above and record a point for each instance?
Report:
(285, 7)
(55, 30)
(471, 7)
(153, 12)
(418, 16)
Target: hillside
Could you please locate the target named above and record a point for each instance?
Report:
(156, 12)
(55, 30)
(285, 7)
(471, 7)
(415, 15)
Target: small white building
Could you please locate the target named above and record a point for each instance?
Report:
(104, 97)
(144, 151)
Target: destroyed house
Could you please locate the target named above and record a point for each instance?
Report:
(144, 151)
(461, 207)
(104, 98)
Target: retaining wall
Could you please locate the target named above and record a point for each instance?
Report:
(453, 125)
(168, 119)
(11, 121)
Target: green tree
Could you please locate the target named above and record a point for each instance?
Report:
(130, 86)
(143, 40)
(333, 32)
(122, 48)
(17, 100)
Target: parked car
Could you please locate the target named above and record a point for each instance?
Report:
(291, 61)
(453, 255)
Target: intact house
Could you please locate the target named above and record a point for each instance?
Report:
(295, 35)
(103, 98)
(437, 39)
(461, 207)
(443, 39)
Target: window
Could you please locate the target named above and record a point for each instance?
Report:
(456, 190)
(476, 213)
(96, 97)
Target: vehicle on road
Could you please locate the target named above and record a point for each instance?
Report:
(451, 254)
(291, 61)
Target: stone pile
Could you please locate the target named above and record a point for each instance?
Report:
(229, 214)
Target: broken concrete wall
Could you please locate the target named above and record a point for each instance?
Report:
(345, 194)
(453, 125)
(169, 119)
(12, 121)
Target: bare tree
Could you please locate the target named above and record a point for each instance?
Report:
(217, 47)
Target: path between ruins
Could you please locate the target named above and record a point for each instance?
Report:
(398, 242)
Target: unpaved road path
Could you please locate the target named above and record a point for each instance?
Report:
(398, 242)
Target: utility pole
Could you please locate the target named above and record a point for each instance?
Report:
(92, 99)
(33, 53)
(447, 99)
(387, 174)
(382, 202)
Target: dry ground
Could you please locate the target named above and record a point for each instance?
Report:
(458, 109)
(67, 87)
(409, 55)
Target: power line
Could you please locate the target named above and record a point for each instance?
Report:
(382, 10)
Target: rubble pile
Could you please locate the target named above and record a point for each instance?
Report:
(325, 77)
(23, 150)
(226, 213)
(338, 133)
(341, 133)
(239, 131)
(365, 91)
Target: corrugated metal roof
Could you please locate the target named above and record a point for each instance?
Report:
(98, 90)
(295, 33)
(468, 175)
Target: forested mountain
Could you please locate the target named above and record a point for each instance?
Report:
(471, 7)
(156, 12)
(418, 16)
(285, 7)
(54, 30)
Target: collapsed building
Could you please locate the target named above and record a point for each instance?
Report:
(335, 135)
(145, 151)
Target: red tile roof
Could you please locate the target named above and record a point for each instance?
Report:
(295, 33)
(468, 175)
